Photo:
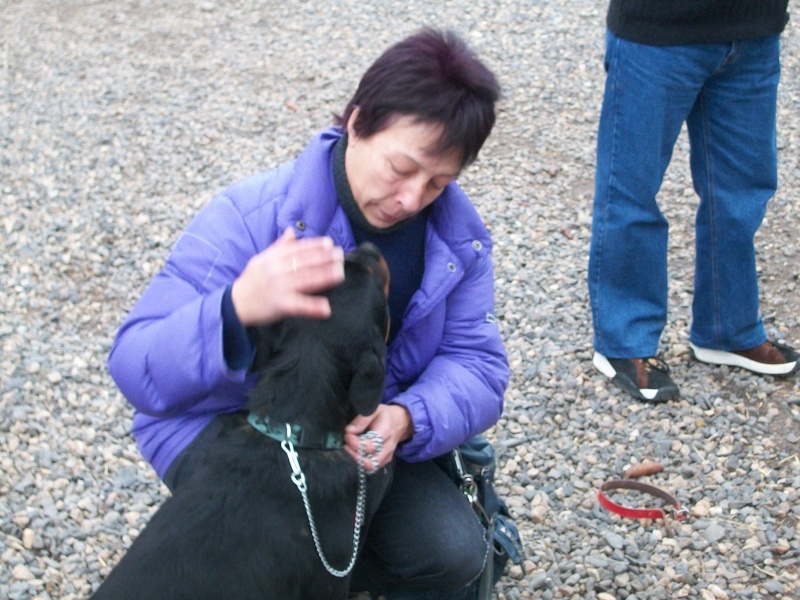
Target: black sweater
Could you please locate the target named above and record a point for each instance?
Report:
(677, 22)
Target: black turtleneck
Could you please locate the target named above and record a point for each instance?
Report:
(402, 244)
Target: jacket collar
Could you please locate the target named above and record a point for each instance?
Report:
(311, 206)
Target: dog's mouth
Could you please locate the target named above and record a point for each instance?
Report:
(369, 256)
(383, 274)
(388, 325)
(377, 265)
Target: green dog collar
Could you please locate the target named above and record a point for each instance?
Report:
(299, 437)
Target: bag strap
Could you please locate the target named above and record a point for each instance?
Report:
(486, 582)
(467, 485)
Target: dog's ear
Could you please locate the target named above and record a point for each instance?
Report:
(366, 387)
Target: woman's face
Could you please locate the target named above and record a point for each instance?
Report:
(395, 173)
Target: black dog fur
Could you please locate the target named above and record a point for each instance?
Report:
(238, 528)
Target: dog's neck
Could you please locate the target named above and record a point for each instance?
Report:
(299, 436)
(310, 396)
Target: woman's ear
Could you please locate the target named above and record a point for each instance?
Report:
(351, 126)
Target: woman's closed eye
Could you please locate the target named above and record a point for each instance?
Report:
(400, 171)
(437, 186)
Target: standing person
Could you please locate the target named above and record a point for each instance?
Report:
(714, 64)
(262, 248)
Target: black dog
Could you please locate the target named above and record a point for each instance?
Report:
(238, 528)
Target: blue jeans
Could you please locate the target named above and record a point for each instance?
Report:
(727, 94)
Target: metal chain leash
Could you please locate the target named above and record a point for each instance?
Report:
(299, 479)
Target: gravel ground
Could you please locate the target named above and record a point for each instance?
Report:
(118, 120)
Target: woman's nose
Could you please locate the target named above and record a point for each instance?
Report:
(412, 195)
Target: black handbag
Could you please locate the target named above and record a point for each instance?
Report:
(472, 466)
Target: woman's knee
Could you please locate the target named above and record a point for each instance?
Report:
(460, 555)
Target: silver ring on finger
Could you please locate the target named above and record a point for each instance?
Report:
(294, 265)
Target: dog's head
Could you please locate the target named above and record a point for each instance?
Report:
(319, 359)
(360, 313)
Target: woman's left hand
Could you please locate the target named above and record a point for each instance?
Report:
(390, 424)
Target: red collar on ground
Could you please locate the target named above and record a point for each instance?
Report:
(639, 513)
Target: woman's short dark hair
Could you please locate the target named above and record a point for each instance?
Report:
(435, 77)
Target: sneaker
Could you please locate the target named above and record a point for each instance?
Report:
(770, 358)
(644, 378)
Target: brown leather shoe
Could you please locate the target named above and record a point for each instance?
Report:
(769, 358)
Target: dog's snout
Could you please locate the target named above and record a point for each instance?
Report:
(370, 257)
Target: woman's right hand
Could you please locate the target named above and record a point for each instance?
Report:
(280, 281)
